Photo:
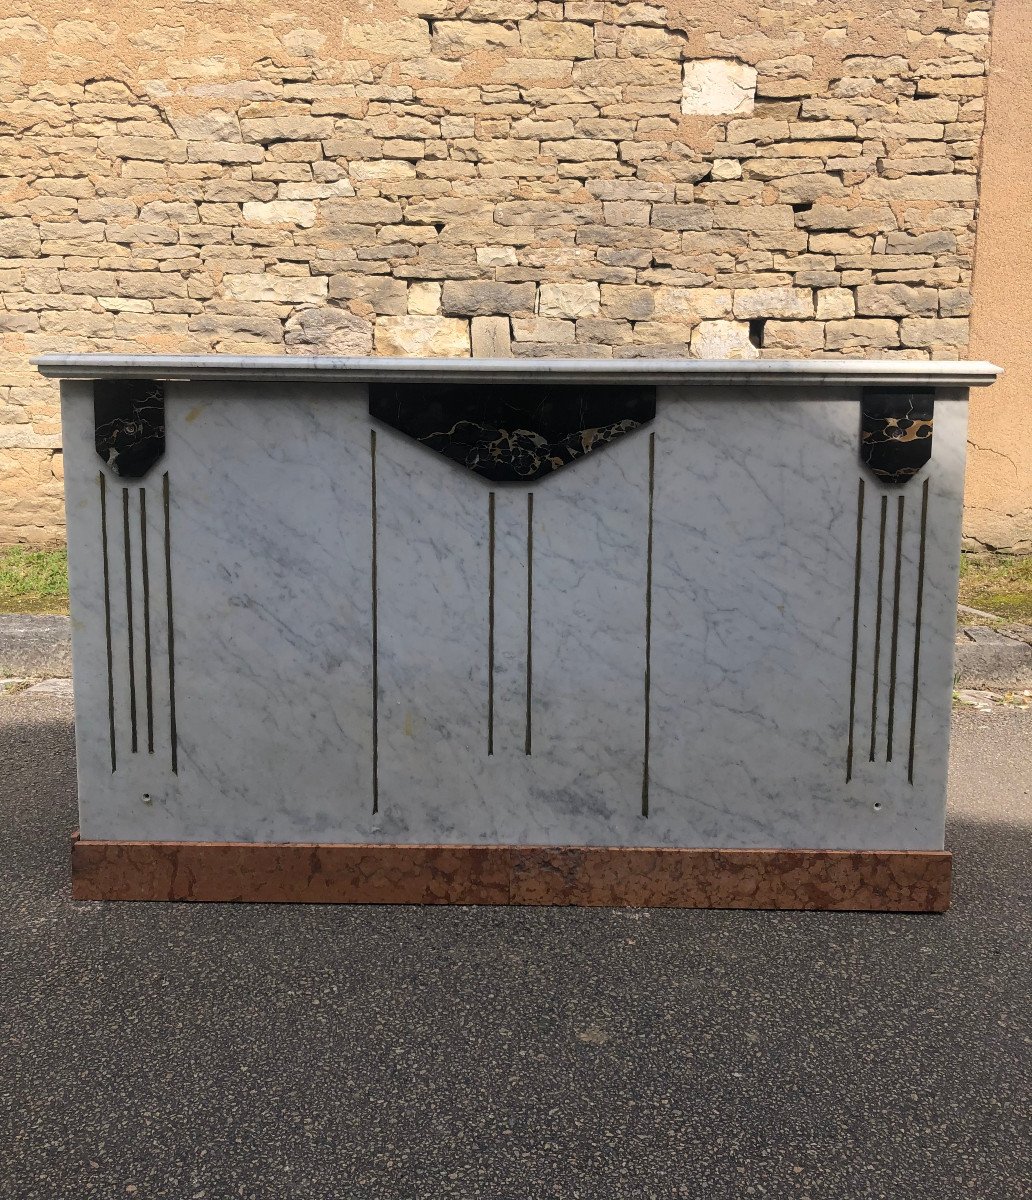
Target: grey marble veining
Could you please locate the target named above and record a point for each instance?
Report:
(748, 629)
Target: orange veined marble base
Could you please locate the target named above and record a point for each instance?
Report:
(617, 876)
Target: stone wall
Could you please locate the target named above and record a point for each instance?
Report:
(447, 177)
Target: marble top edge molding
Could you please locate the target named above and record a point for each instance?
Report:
(941, 373)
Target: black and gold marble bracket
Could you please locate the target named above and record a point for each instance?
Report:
(896, 432)
(129, 424)
(512, 433)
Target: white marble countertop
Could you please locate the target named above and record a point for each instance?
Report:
(896, 372)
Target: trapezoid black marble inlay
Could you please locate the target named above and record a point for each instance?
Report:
(129, 424)
(896, 431)
(511, 433)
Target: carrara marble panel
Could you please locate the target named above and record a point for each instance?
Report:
(338, 635)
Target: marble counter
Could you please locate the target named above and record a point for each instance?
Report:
(640, 605)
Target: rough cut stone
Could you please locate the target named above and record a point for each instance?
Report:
(491, 337)
(569, 300)
(718, 86)
(423, 337)
(722, 339)
(486, 299)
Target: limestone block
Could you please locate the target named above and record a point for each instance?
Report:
(793, 335)
(19, 238)
(283, 289)
(628, 301)
(722, 339)
(557, 39)
(725, 169)
(496, 256)
(895, 300)
(480, 299)
(153, 149)
(580, 150)
(215, 125)
(299, 128)
(455, 39)
(835, 304)
(424, 299)
(397, 39)
(773, 302)
(861, 334)
(491, 337)
(224, 152)
(697, 303)
(718, 86)
(569, 300)
(329, 331)
(941, 332)
(543, 329)
(430, 337)
(280, 212)
(682, 216)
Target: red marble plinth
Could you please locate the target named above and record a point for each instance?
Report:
(617, 876)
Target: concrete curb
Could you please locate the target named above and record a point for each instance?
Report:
(994, 658)
(35, 647)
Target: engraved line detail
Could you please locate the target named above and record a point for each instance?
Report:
(917, 631)
(490, 619)
(530, 618)
(900, 500)
(856, 625)
(878, 625)
(172, 732)
(374, 600)
(147, 665)
(107, 616)
(648, 629)
(129, 616)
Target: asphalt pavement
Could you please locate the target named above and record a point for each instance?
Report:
(267, 1052)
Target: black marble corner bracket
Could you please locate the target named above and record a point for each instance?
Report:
(512, 433)
(129, 424)
(896, 432)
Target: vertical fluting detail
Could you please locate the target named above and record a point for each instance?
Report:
(917, 630)
(172, 731)
(856, 625)
(894, 646)
(530, 620)
(876, 674)
(374, 601)
(129, 620)
(648, 629)
(107, 617)
(490, 619)
(148, 679)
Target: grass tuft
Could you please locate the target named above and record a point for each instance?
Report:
(999, 584)
(33, 580)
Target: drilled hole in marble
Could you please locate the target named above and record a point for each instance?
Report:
(877, 806)
(146, 797)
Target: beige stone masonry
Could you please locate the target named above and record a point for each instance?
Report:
(598, 178)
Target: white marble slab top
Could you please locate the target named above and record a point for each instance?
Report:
(308, 368)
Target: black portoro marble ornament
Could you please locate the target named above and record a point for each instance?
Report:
(129, 424)
(896, 432)
(511, 433)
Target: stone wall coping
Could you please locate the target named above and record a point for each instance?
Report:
(305, 368)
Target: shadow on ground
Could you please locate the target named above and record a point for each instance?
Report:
(492, 1054)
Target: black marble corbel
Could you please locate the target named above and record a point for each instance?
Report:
(129, 424)
(896, 431)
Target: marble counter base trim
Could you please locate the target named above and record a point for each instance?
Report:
(601, 876)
